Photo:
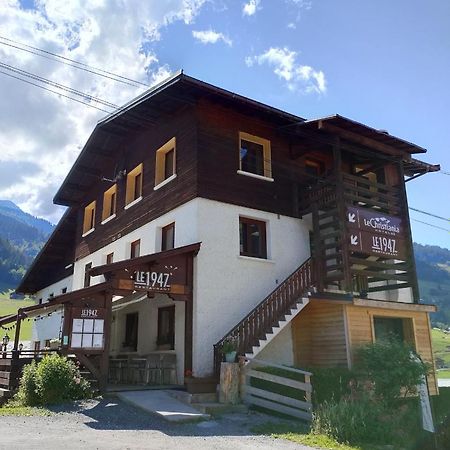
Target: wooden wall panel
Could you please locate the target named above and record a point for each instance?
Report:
(360, 324)
(319, 336)
(142, 149)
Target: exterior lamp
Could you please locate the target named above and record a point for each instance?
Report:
(20, 347)
(5, 342)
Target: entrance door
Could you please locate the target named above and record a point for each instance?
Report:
(131, 332)
(166, 328)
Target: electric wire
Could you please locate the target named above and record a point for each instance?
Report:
(429, 214)
(76, 64)
(431, 225)
(55, 92)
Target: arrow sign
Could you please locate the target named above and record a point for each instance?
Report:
(352, 217)
(354, 239)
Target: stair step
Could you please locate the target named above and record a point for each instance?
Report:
(216, 409)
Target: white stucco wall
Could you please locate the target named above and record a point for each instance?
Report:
(281, 349)
(226, 285)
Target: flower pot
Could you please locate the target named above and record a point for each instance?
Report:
(230, 357)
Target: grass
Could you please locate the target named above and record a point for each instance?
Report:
(443, 374)
(8, 306)
(23, 411)
(441, 348)
(301, 435)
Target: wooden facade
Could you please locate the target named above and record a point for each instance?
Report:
(328, 333)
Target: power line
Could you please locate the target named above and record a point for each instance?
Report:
(429, 214)
(76, 64)
(431, 225)
(57, 85)
(55, 92)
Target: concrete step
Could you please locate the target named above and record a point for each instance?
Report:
(189, 398)
(216, 409)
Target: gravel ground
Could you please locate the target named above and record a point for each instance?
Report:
(111, 424)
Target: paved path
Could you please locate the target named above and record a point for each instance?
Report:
(444, 382)
(162, 404)
(111, 424)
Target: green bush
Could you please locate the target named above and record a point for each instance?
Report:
(389, 369)
(55, 379)
(330, 385)
(353, 421)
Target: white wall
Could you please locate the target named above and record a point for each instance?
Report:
(229, 286)
(279, 350)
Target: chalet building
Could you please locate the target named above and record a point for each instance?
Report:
(196, 215)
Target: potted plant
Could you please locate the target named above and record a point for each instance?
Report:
(229, 349)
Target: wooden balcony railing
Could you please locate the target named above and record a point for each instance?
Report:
(260, 321)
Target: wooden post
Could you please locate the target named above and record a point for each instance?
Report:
(17, 335)
(410, 249)
(340, 203)
(229, 383)
(308, 396)
(104, 358)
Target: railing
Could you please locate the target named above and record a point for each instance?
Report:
(261, 376)
(268, 313)
(14, 354)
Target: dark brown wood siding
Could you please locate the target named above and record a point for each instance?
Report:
(142, 149)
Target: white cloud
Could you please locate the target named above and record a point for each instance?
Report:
(41, 133)
(251, 7)
(291, 26)
(211, 37)
(298, 77)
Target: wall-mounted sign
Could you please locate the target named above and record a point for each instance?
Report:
(87, 328)
(168, 277)
(377, 244)
(374, 222)
(375, 233)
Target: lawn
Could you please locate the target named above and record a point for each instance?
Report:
(7, 307)
(441, 349)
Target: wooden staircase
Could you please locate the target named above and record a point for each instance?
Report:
(270, 316)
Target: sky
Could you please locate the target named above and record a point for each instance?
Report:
(382, 63)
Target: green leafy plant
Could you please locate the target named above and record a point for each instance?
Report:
(389, 368)
(55, 379)
(229, 345)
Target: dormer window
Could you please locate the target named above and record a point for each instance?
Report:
(109, 204)
(165, 163)
(254, 156)
(89, 218)
(134, 186)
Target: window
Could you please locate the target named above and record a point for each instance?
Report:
(109, 203)
(110, 258)
(252, 234)
(314, 168)
(166, 327)
(394, 328)
(131, 332)
(135, 249)
(51, 296)
(37, 346)
(254, 155)
(168, 237)
(134, 185)
(165, 162)
(87, 277)
(47, 343)
(64, 290)
(89, 218)
(40, 301)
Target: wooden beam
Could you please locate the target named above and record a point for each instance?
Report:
(393, 305)
(358, 139)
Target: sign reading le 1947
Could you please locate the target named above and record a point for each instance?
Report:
(376, 233)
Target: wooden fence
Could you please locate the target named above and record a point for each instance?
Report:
(267, 398)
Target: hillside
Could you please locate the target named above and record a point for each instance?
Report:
(21, 237)
(433, 269)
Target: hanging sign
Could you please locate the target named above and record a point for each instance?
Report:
(87, 328)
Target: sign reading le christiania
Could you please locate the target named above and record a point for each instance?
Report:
(376, 233)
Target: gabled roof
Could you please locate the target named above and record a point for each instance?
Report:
(142, 112)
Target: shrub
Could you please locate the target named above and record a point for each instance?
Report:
(351, 421)
(390, 368)
(55, 379)
(331, 384)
